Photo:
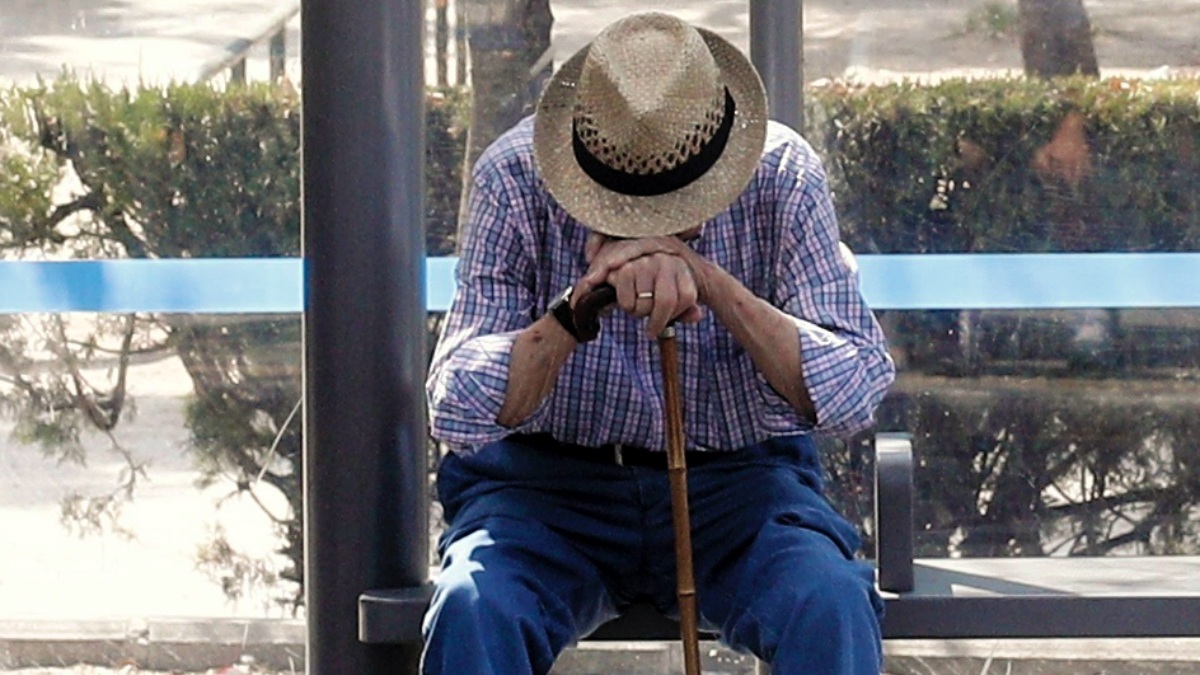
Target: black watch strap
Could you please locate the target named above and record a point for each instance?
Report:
(560, 309)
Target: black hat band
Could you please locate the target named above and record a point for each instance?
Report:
(653, 184)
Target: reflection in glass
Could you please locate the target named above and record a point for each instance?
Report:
(151, 460)
(934, 39)
(1050, 432)
(141, 41)
(164, 451)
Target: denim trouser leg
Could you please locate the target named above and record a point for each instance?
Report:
(532, 547)
(508, 601)
(779, 579)
(542, 548)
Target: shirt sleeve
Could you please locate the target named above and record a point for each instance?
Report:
(843, 353)
(494, 300)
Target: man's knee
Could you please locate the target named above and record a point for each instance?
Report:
(800, 591)
(469, 592)
(827, 621)
(484, 623)
(468, 598)
(839, 591)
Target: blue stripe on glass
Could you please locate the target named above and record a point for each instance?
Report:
(193, 286)
(944, 281)
(1031, 280)
(439, 283)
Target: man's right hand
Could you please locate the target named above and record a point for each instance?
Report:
(652, 277)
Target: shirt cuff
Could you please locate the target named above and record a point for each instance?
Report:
(468, 392)
(829, 365)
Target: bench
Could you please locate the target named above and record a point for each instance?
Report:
(926, 598)
(959, 598)
(935, 598)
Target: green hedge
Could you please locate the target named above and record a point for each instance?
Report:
(187, 170)
(951, 166)
(962, 166)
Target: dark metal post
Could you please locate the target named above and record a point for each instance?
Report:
(777, 50)
(894, 511)
(365, 460)
(278, 53)
(460, 42)
(442, 42)
(237, 72)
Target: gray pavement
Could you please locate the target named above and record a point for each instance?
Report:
(159, 40)
(125, 40)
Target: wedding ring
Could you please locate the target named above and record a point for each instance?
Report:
(645, 295)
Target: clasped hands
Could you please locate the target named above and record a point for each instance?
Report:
(660, 279)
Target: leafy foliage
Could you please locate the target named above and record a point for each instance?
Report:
(969, 165)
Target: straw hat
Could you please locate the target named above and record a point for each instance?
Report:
(652, 129)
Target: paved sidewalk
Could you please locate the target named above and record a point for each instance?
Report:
(125, 40)
(128, 40)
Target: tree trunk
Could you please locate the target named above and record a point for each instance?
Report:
(507, 40)
(1056, 38)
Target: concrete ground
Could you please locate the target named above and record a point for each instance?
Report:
(154, 41)
(91, 582)
(124, 40)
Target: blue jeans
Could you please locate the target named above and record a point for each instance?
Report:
(542, 548)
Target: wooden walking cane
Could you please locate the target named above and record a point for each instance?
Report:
(587, 324)
(685, 585)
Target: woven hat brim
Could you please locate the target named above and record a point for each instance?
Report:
(623, 215)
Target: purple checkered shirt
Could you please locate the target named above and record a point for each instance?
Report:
(780, 238)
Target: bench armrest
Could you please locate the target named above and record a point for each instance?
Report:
(393, 615)
(894, 511)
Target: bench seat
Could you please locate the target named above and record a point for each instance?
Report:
(1144, 596)
(952, 598)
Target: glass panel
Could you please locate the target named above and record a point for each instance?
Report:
(1050, 432)
(948, 129)
(146, 41)
(151, 471)
(151, 460)
(921, 39)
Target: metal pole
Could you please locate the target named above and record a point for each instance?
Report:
(777, 50)
(278, 54)
(442, 41)
(460, 42)
(366, 522)
(237, 72)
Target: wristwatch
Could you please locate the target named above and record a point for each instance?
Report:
(560, 309)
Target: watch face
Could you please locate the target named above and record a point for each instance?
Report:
(560, 309)
(565, 296)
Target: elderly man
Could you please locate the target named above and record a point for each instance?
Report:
(650, 166)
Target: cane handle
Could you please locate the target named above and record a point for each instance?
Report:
(587, 313)
(588, 309)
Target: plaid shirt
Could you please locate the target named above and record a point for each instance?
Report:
(779, 238)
